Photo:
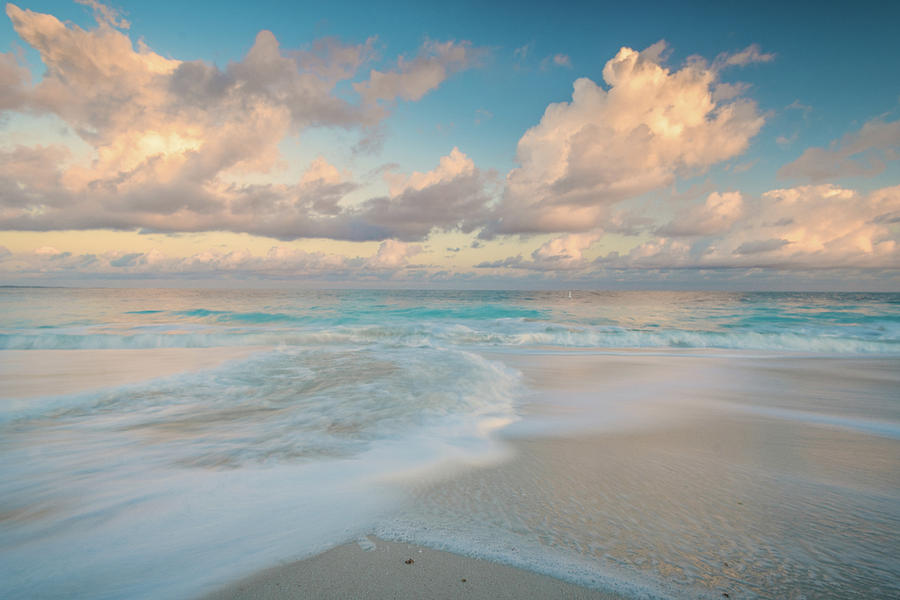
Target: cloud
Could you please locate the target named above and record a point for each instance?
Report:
(804, 227)
(522, 52)
(557, 60)
(450, 167)
(860, 153)
(760, 246)
(512, 262)
(453, 195)
(564, 253)
(106, 14)
(126, 260)
(412, 79)
(14, 80)
(782, 140)
(278, 262)
(749, 55)
(805, 109)
(651, 125)
(717, 215)
(562, 60)
(173, 141)
(392, 254)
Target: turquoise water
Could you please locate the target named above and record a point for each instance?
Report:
(803, 322)
(167, 485)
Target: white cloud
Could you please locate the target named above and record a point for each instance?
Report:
(456, 164)
(565, 252)
(392, 254)
(605, 146)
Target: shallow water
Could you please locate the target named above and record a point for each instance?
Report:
(172, 480)
(692, 486)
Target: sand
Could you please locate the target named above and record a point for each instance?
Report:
(682, 476)
(382, 572)
(32, 373)
(677, 477)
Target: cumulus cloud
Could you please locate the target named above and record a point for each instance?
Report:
(608, 145)
(717, 215)
(14, 80)
(804, 227)
(393, 254)
(174, 140)
(860, 153)
(564, 253)
(453, 195)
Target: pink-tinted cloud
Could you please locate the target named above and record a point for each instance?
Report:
(174, 140)
(715, 216)
(392, 257)
(412, 79)
(805, 227)
(608, 145)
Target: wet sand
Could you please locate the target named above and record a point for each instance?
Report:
(684, 475)
(672, 477)
(383, 570)
(688, 476)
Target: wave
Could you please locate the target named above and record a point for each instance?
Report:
(292, 404)
(512, 333)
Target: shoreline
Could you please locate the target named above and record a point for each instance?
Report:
(628, 476)
(679, 494)
(376, 568)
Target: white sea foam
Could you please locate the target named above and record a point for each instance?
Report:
(493, 334)
(276, 456)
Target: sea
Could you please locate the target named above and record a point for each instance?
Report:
(160, 443)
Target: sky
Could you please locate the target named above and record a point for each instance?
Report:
(695, 145)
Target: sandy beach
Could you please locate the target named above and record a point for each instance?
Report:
(375, 568)
(719, 494)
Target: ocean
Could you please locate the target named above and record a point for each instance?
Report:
(162, 442)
